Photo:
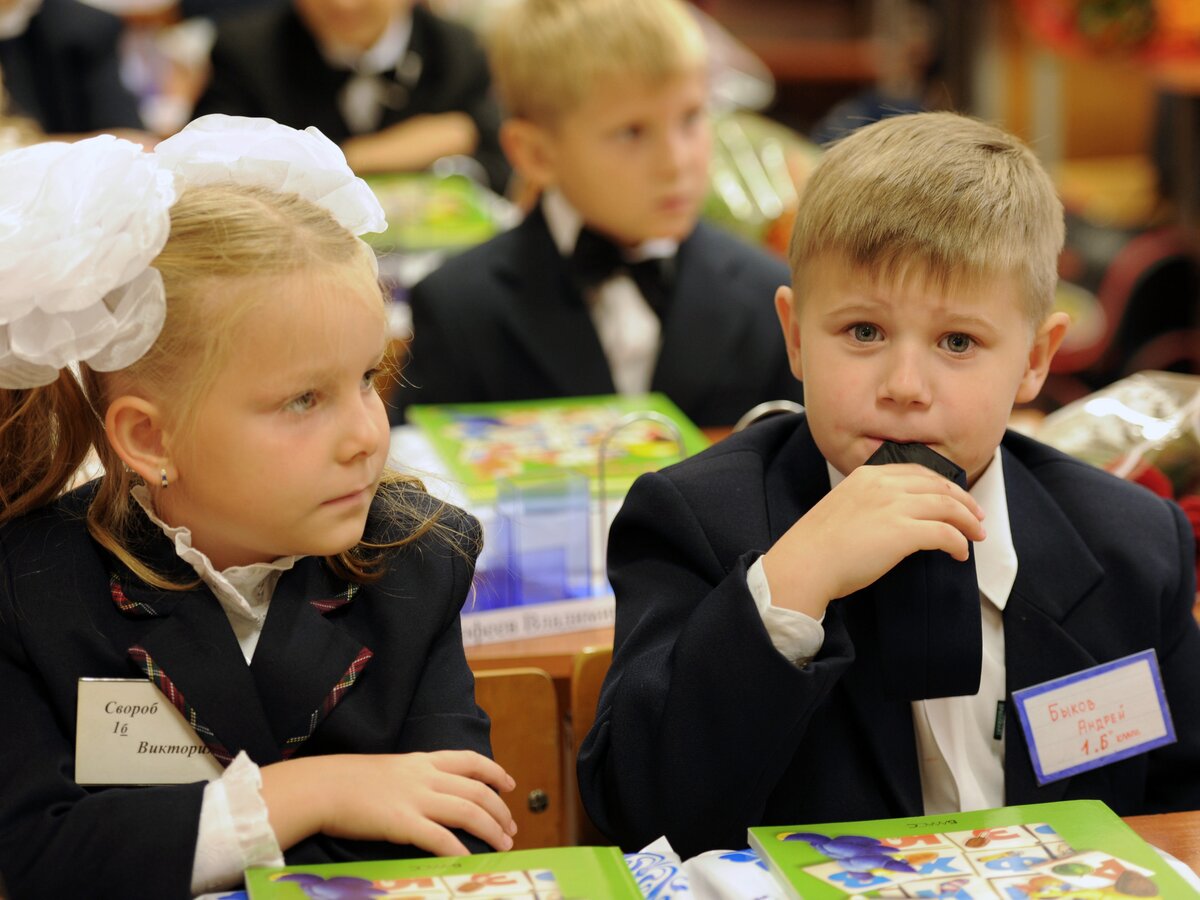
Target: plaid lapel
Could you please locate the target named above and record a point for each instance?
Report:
(307, 659)
(303, 666)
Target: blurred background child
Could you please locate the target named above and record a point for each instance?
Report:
(610, 284)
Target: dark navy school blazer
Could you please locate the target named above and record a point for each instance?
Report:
(704, 729)
(265, 62)
(379, 669)
(503, 321)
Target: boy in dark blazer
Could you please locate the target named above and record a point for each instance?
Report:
(751, 681)
(609, 285)
(394, 85)
(61, 71)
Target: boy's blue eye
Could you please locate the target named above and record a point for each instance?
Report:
(865, 333)
(303, 403)
(958, 342)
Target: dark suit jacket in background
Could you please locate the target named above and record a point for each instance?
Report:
(504, 321)
(704, 729)
(59, 621)
(62, 72)
(266, 63)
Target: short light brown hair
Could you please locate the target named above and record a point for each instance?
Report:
(547, 55)
(957, 198)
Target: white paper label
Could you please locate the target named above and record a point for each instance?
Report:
(127, 732)
(1095, 717)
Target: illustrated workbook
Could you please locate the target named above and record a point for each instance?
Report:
(530, 439)
(554, 873)
(1070, 850)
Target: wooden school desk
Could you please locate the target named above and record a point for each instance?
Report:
(1177, 833)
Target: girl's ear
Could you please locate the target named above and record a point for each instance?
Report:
(136, 430)
(530, 149)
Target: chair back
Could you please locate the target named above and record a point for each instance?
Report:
(526, 741)
(587, 675)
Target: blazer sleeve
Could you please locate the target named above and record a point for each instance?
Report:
(1173, 780)
(695, 683)
(58, 839)
(441, 366)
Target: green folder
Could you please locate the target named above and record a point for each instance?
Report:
(481, 443)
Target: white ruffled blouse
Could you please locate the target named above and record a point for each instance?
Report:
(235, 832)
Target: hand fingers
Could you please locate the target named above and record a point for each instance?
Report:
(473, 765)
(433, 838)
(481, 795)
(460, 812)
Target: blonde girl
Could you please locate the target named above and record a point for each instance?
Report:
(205, 321)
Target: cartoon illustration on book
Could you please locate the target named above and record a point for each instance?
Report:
(482, 442)
(532, 884)
(1010, 862)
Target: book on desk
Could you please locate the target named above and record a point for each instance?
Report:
(554, 873)
(1067, 849)
(545, 478)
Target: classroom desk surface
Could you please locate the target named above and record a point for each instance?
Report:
(1177, 833)
(555, 652)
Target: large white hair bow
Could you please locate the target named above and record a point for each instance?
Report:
(242, 150)
(80, 224)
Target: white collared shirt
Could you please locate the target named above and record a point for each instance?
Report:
(961, 762)
(362, 98)
(630, 333)
(235, 829)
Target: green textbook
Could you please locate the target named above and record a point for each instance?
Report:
(1070, 849)
(530, 439)
(554, 873)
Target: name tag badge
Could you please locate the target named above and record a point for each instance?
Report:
(127, 732)
(1095, 717)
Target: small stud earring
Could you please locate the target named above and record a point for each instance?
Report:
(163, 478)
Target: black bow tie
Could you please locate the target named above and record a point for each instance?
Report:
(596, 259)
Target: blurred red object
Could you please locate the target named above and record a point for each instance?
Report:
(1150, 30)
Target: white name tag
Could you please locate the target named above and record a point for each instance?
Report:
(1095, 717)
(127, 732)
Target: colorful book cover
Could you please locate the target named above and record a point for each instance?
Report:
(530, 439)
(554, 873)
(430, 212)
(1072, 849)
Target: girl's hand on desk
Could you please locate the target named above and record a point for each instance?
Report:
(405, 798)
(862, 528)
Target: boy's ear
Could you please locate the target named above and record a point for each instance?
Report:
(790, 323)
(530, 150)
(1046, 342)
(135, 429)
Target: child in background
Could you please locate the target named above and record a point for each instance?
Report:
(748, 684)
(396, 86)
(609, 285)
(246, 550)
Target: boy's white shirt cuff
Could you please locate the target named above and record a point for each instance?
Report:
(235, 830)
(798, 636)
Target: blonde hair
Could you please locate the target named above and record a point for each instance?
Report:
(225, 240)
(960, 199)
(547, 55)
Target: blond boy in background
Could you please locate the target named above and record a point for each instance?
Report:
(609, 284)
